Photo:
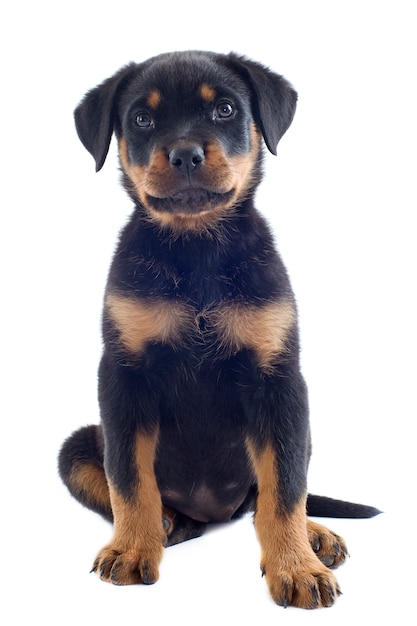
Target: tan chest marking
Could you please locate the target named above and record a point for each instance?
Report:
(141, 321)
(233, 327)
(263, 329)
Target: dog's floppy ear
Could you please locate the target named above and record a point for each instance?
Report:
(274, 99)
(95, 115)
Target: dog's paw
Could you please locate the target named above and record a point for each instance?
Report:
(307, 587)
(127, 567)
(180, 527)
(329, 547)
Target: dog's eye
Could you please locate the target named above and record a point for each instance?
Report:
(144, 120)
(224, 109)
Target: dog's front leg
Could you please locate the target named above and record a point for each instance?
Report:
(135, 551)
(278, 447)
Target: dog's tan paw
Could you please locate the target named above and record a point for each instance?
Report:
(329, 547)
(130, 567)
(310, 588)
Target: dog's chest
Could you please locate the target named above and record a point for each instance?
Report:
(223, 328)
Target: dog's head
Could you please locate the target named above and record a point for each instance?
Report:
(189, 127)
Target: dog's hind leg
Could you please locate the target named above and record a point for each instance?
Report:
(180, 527)
(80, 465)
(81, 469)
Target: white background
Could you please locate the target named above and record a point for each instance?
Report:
(341, 198)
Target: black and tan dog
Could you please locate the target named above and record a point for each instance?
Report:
(204, 410)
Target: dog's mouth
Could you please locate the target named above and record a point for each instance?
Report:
(190, 201)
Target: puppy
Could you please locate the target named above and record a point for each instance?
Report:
(204, 412)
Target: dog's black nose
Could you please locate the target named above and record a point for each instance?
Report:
(186, 158)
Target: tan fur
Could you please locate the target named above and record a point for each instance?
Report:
(329, 547)
(243, 166)
(207, 93)
(153, 99)
(142, 321)
(264, 329)
(219, 173)
(156, 180)
(235, 326)
(90, 480)
(204, 222)
(293, 572)
(136, 549)
(136, 173)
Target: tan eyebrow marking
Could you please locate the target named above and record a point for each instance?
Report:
(153, 99)
(207, 93)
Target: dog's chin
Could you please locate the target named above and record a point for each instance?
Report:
(190, 202)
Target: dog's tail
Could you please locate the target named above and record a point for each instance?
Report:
(320, 506)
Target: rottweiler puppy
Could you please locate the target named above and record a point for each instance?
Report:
(204, 411)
